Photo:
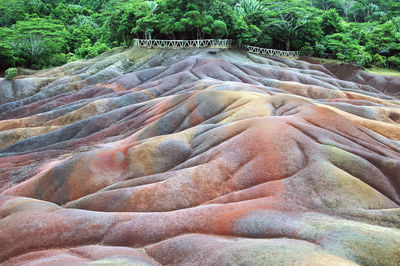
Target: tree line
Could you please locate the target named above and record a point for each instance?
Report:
(44, 33)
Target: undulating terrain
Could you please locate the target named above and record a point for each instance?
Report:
(199, 157)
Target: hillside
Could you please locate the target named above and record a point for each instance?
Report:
(199, 157)
(38, 34)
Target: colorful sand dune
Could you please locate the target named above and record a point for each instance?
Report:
(199, 157)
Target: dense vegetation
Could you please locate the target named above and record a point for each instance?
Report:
(43, 33)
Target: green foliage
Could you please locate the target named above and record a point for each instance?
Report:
(7, 58)
(347, 49)
(87, 50)
(394, 62)
(244, 33)
(11, 73)
(310, 34)
(222, 10)
(307, 49)
(331, 22)
(122, 17)
(94, 5)
(219, 29)
(384, 39)
(379, 60)
(44, 33)
(324, 4)
(35, 40)
(12, 11)
(58, 59)
(248, 8)
(292, 21)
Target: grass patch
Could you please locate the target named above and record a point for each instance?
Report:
(326, 60)
(383, 71)
(373, 70)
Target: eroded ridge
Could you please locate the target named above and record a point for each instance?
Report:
(193, 158)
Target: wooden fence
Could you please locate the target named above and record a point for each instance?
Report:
(196, 44)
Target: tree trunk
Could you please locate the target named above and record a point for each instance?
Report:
(287, 45)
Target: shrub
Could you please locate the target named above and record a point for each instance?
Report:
(331, 22)
(307, 49)
(347, 49)
(219, 29)
(87, 50)
(7, 58)
(59, 59)
(379, 60)
(394, 62)
(11, 73)
(207, 31)
(319, 49)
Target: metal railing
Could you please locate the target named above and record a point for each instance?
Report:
(182, 44)
(167, 44)
(272, 52)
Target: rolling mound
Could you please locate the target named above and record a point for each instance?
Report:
(199, 157)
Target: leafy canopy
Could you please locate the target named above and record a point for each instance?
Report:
(44, 33)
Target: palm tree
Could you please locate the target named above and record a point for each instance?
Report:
(247, 8)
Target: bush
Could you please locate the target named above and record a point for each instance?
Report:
(307, 49)
(379, 60)
(59, 59)
(331, 22)
(206, 31)
(264, 40)
(394, 62)
(319, 50)
(7, 58)
(87, 50)
(347, 49)
(11, 73)
(219, 29)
